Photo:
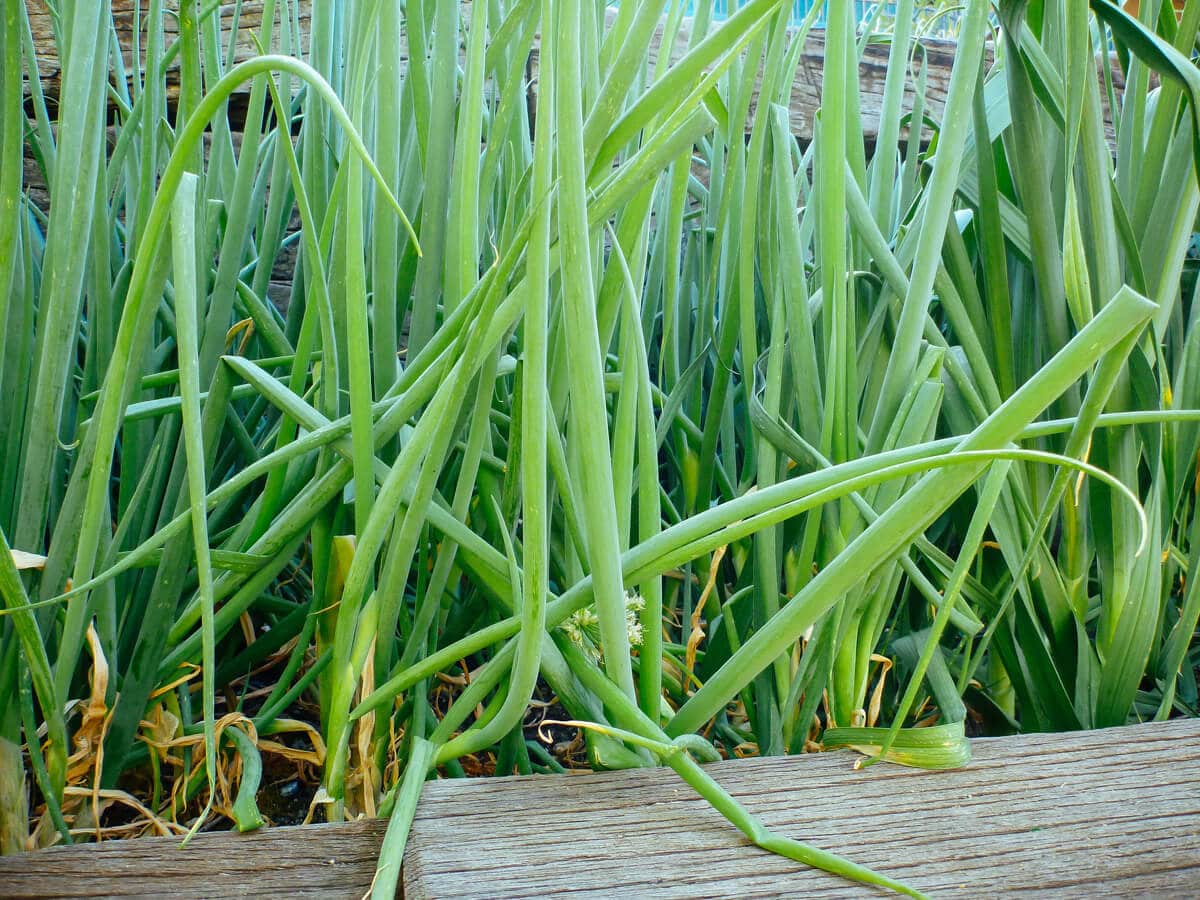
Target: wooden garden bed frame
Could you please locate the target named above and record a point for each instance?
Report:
(1111, 813)
(938, 56)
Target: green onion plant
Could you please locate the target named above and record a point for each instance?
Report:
(374, 370)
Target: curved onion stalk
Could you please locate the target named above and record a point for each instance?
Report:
(148, 273)
(671, 751)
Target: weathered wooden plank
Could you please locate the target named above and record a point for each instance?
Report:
(41, 23)
(1113, 813)
(805, 99)
(937, 57)
(303, 861)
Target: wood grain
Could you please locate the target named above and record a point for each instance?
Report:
(937, 56)
(301, 861)
(1112, 813)
(41, 23)
(806, 87)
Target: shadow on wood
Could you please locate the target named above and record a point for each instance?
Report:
(1114, 813)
